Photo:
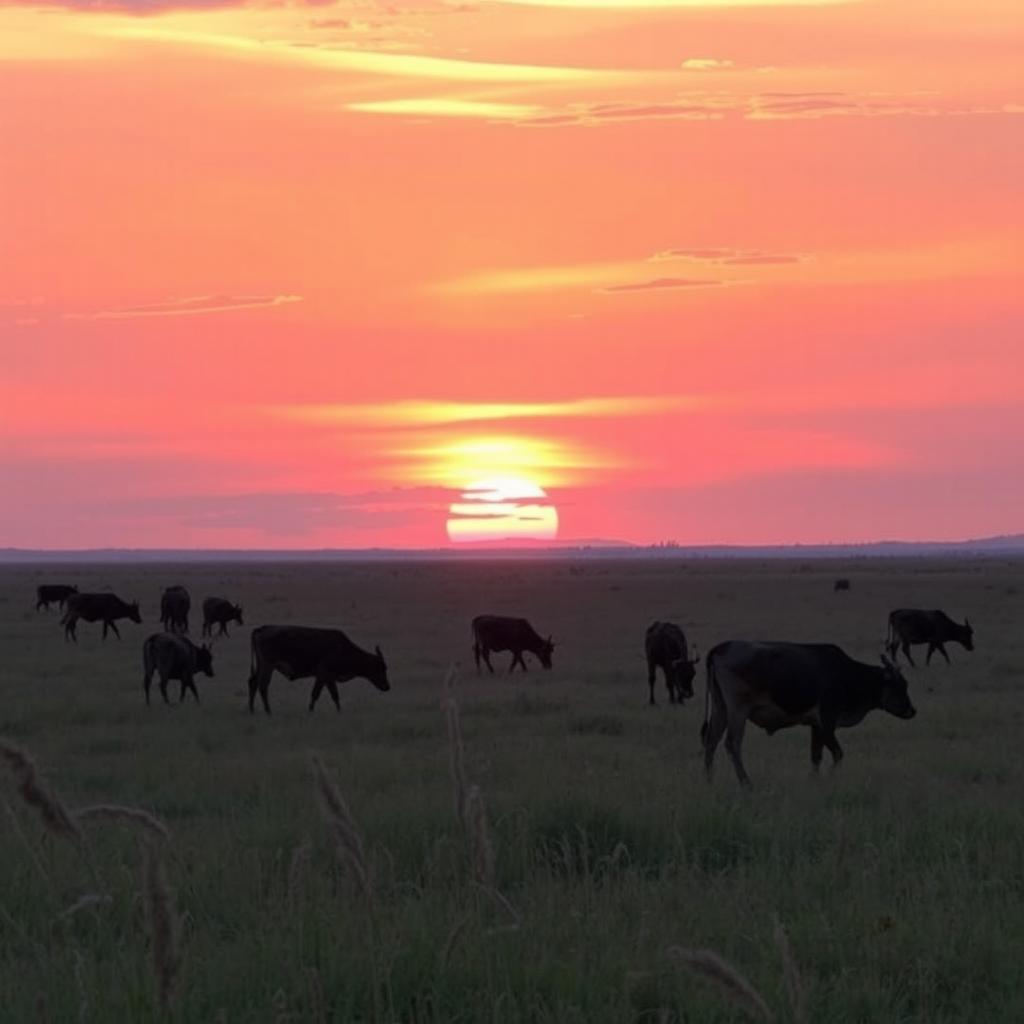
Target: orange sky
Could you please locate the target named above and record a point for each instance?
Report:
(304, 275)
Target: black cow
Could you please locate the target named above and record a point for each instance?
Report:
(500, 633)
(841, 584)
(47, 593)
(218, 611)
(175, 604)
(174, 657)
(665, 647)
(777, 685)
(95, 608)
(303, 652)
(935, 628)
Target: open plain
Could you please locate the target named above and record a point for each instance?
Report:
(898, 880)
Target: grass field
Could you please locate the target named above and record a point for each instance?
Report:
(899, 879)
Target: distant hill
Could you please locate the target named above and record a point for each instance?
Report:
(585, 548)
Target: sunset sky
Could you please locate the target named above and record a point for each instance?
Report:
(286, 275)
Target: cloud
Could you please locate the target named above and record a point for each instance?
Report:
(439, 107)
(592, 114)
(417, 414)
(633, 5)
(398, 65)
(292, 513)
(192, 306)
(664, 284)
(729, 257)
(771, 106)
(706, 64)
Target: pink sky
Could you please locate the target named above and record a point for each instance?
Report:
(303, 275)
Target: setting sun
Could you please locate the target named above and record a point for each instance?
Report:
(502, 509)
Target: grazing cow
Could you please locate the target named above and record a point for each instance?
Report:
(776, 685)
(174, 657)
(935, 628)
(95, 608)
(174, 608)
(500, 633)
(47, 593)
(665, 647)
(303, 652)
(843, 584)
(218, 611)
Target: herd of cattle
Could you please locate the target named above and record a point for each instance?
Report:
(773, 684)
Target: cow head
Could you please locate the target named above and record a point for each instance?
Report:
(684, 670)
(133, 612)
(968, 635)
(378, 671)
(204, 660)
(895, 698)
(547, 648)
(236, 612)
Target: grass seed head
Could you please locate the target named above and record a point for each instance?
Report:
(36, 793)
(728, 979)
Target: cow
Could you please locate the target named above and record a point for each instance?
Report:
(47, 593)
(218, 611)
(174, 657)
(500, 633)
(174, 608)
(840, 584)
(665, 647)
(327, 656)
(909, 626)
(95, 608)
(778, 685)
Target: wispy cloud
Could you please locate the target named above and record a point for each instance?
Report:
(293, 513)
(192, 306)
(730, 257)
(440, 107)
(655, 4)
(399, 65)
(664, 284)
(706, 64)
(430, 413)
(773, 106)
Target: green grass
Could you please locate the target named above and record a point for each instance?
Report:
(899, 879)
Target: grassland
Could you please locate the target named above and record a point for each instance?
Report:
(899, 879)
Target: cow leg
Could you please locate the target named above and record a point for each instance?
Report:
(188, 683)
(332, 689)
(711, 734)
(318, 685)
(259, 680)
(224, 630)
(737, 724)
(817, 746)
(476, 657)
(113, 626)
(833, 746)
(942, 651)
(906, 653)
(650, 682)
(163, 687)
(486, 655)
(147, 679)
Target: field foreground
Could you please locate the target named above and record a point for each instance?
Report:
(892, 890)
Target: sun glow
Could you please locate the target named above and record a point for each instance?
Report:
(502, 509)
